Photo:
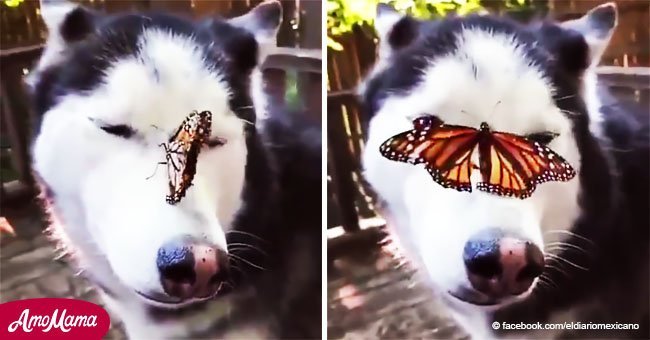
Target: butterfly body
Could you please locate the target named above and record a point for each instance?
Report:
(182, 152)
(510, 165)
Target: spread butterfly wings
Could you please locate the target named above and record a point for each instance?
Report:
(445, 149)
(510, 165)
(182, 153)
(513, 166)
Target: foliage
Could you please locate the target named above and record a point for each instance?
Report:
(291, 96)
(343, 15)
(12, 3)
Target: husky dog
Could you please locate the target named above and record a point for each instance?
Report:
(591, 233)
(234, 258)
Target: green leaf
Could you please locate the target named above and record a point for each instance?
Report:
(12, 3)
(344, 15)
(332, 6)
(333, 44)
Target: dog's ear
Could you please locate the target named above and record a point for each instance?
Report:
(394, 30)
(248, 39)
(597, 27)
(66, 24)
(263, 22)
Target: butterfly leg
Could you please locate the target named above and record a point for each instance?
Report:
(168, 158)
(164, 146)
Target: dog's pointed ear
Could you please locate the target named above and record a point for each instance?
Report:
(263, 22)
(394, 30)
(248, 39)
(597, 27)
(66, 23)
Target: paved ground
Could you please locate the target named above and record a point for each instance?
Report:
(371, 296)
(28, 268)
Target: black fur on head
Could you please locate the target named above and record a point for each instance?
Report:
(230, 49)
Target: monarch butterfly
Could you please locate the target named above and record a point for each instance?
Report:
(510, 165)
(182, 152)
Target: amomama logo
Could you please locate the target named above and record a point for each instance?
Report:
(52, 318)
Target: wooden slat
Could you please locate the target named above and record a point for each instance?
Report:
(310, 24)
(342, 167)
(177, 6)
(17, 137)
(303, 64)
(21, 50)
(15, 193)
(626, 71)
(210, 8)
(333, 210)
(363, 193)
(286, 34)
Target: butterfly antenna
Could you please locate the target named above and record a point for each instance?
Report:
(163, 145)
(495, 107)
(155, 170)
(467, 113)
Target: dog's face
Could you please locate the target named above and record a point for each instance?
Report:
(111, 90)
(480, 248)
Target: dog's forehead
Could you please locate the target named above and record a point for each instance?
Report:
(474, 70)
(141, 69)
(132, 35)
(131, 26)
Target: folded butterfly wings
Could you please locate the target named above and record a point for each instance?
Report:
(182, 152)
(510, 165)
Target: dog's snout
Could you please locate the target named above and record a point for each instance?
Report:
(191, 268)
(500, 265)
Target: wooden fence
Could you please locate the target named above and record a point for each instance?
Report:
(350, 200)
(297, 62)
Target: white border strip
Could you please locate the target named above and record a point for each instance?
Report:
(323, 57)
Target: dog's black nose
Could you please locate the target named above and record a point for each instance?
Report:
(191, 268)
(499, 265)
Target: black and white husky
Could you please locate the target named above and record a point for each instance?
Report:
(236, 257)
(475, 248)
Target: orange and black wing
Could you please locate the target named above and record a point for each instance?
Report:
(444, 149)
(513, 166)
(182, 153)
(197, 126)
(458, 175)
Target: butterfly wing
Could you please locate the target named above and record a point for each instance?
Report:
(513, 166)
(181, 176)
(445, 150)
(196, 127)
(183, 152)
(458, 175)
(176, 161)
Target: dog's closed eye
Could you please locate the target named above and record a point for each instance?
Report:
(215, 142)
(543, 138)
(123, 131)
(119, 130)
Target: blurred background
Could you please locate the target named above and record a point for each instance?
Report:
(28, 264)
(372, 292)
